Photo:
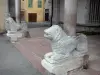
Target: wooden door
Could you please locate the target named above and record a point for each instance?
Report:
(32, 17)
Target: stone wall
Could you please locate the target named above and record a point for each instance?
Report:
(55, 13)
(81, 11)
(62, 10)
(3, 10)
(12, 7)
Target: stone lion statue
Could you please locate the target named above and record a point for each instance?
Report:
(10, 24)
(15, 30)
(63, 46)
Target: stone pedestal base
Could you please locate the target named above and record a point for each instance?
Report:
(63, 68)
(14, 36)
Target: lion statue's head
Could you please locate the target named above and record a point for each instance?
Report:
(11, 25)
(54, 33)
(8, 19)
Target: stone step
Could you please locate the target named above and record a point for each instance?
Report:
(80, 28)
(94, 69)
(85, 72)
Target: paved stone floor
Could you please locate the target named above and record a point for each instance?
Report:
(12, 61)
(34, 49)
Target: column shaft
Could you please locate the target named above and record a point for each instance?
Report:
(70, 17)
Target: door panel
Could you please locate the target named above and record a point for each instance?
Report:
(32, 17)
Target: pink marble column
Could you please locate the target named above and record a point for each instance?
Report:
(70, 17)
(17, 10)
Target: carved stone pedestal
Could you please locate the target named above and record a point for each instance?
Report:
(14, 36)
(63, 68)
